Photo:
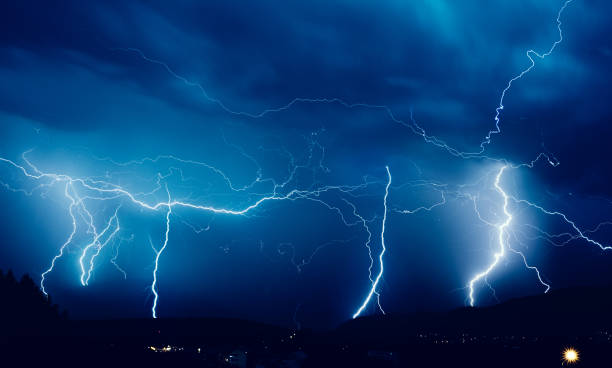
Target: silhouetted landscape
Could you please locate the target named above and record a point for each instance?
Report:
(530, 331)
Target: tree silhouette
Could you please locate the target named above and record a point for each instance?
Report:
(24, 308)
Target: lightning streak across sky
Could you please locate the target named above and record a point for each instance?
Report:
(418, 130)
(68, 241)
(97, 244)
(502, 228)
(81, 193)
(502, 237)
(530, 54)
(101, 191)
(157, 255)
(373, 289)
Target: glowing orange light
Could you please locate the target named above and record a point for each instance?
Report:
(570, 355)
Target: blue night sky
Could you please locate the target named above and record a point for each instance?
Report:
(289, 112)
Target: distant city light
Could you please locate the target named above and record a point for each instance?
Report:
(570, 355)
(166, 349)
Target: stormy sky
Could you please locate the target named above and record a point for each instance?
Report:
(207, 92)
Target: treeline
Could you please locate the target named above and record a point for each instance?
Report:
(24, 309)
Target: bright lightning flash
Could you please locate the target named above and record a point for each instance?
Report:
(382, 253)
(80, 192)
(502, 237)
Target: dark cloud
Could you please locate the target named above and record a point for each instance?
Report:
(66, 70)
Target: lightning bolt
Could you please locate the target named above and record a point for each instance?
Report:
(157, 255)
(85, 275)
(68, 241)
(367, 244)
(501, 228)
(373, 289)
(530, 55)
(503, 240)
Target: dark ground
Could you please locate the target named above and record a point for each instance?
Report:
(526, 332)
